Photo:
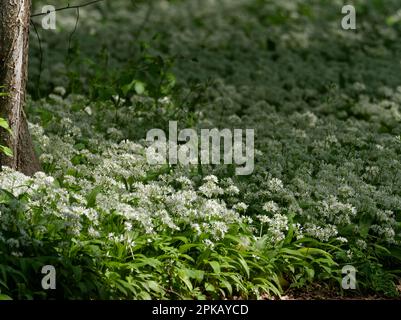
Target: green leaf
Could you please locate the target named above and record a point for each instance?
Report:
(396, 253)
(215, 266)
(197, 275)
(181, 238)
(7, 151)
(91, 197)
(153, 285)
(314, 251)
(2, 283)
(226, 284)
(4, 124)
(310, 272)
(245, 267)
(365, 223)
(187, 247)
(139, 87)
(183, 274)
(79, 146)
(153, 262)
(126, 88)
(4, 297)
(392, 20)
(209, 287)
(382, 250)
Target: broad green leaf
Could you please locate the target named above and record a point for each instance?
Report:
(186, 247)
(139, 87)
(91, 197)
(4, 124)
(4, 297)
(209, 287)
(314, 251)
(215, 266)
(7, 151)
(245, 267)
(226, 284)
(153, 285)
(184, 277)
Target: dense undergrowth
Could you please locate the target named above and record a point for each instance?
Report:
(325, 193)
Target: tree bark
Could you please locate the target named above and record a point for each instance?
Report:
(14, 41)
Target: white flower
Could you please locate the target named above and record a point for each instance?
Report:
(232, 190)
(165, 100)
(184, 181)
(211, 178)
(263, 219)
(60, 91)
(46, 158)
(208, 243)
(275, 185)
(321, 233)
(128, 226)
(88, 110)
(210, 189)
(361, 244)
(93, 232)
(342, 239)
(271, 207)
(240, 206)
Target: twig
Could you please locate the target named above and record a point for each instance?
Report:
(146, 19)
(40, 58)
(73, 31)
(67, 7)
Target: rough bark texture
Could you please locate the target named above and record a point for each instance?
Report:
(14, 40)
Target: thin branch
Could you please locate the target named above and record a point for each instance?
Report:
(67, 7)
(40, 58)
(73, 31)
(146, 19)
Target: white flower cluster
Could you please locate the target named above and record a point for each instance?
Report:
(103, 178)
(271, 207)
(276, 227)
(336, 150)
(321, 233)
(337, 212)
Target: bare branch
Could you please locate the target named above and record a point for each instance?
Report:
(68, 7)
(40, 58)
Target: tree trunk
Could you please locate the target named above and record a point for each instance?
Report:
(14, 40)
